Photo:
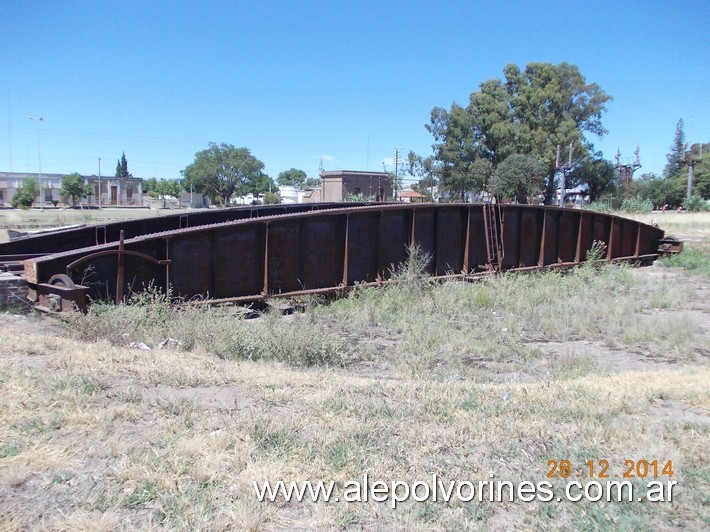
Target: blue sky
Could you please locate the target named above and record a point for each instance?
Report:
(345, 82)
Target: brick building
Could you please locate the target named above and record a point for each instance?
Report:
(339, 185)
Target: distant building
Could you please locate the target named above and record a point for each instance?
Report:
(339, 185)
(311, 195)
(115, 191)
(411, 196)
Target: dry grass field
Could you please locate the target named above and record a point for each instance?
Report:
(461, 380)
(693, 226)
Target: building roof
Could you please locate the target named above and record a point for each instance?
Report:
(340, 173)
(50, 175)
(411, 194)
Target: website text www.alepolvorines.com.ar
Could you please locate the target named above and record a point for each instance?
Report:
(439, 490)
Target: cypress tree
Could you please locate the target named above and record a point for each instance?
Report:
(676, 156)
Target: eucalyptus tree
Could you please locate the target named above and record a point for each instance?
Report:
(529, 112)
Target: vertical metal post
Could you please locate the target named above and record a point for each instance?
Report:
(563, 186)
(120, 271)
(266, 260)
(466, 269)
(610, 243)
(541, 257)
(637, 249)
(691, 171)
(99, 182)
(412, 239)
(345, 250)
(39, 160)
(167, 265)
(578, 252)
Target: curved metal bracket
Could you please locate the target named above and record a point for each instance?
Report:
(120, 253)
(85, 258)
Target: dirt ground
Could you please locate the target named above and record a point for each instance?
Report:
(86, 411)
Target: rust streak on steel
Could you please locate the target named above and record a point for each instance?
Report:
(466, 268)
(322, 250)
(167, 263)
(578, 247)
(345, 251)
(610, 241)
(265, 290)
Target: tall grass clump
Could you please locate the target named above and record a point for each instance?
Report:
(694, 259)
(600, 206)
(149, 318)
(413, 325)
(636, 205)
(295, 341)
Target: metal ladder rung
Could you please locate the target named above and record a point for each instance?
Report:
(493, 221)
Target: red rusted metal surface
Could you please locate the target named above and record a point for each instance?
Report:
(330, 250)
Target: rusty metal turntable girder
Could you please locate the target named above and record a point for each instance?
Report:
(335, 248)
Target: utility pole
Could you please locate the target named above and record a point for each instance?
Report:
(39, 159)
(396, 171)
(99, 182)
(691, 169)
(563, 173)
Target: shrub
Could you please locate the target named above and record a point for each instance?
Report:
(636, 205)
(271, 198)
(359, 198)
(25, 195)
(599, 206)
(696, 204)
(696, 260)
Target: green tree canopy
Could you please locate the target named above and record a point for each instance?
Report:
(292, 177)
(521, 177)
(650, 187)
(701, 179)
(73, 187)
(223, 170)
(424, 170)
(260, 184)
(528, 113)
(598, 174)
(163, 188)
(25, 195)
(150, 187)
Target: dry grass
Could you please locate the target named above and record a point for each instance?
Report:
(462, 380)
(689, 225)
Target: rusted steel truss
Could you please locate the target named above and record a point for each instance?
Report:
(93, 235)
(330, 250)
